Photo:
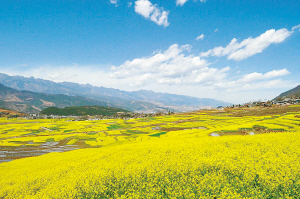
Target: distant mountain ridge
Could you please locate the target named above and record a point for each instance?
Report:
(134, 101)
(31, 102)
(295, 92)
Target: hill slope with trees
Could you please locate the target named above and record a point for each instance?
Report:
(83, 111)
(293, 93)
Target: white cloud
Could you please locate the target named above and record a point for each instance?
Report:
(169, 67)
(200, 37)
(255, 81)
(114, 2)
(216, 30)
(181, 2)
(173, 67)
(249, 47)
(296, 27)
(259, 76)
(252, 87)
(129, 4)
(152, 12)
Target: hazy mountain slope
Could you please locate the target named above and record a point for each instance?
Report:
(31, 102)
(136, 100)
(295, 92)
(176, 100)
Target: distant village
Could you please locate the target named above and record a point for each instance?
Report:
(270, 103)
(284, 101)
(131, 115)
(118, 115)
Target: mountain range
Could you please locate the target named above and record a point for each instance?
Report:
(137, 101)
(32, 102)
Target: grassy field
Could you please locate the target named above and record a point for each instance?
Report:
(233, 153)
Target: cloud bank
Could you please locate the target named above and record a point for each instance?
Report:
(169, 67)
(174, 67)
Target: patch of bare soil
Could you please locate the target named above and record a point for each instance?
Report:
(13, 98)
(10, 112)
(46, 103)
(36, 108)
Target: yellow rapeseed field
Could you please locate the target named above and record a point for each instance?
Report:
(177, 160)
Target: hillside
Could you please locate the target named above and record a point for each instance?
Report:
(9, 113)
(83, 111)
(295, 92)
(138, 101)
(31, 102)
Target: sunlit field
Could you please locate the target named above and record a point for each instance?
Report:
(202, 154)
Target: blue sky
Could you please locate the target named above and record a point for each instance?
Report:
(234, 51)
